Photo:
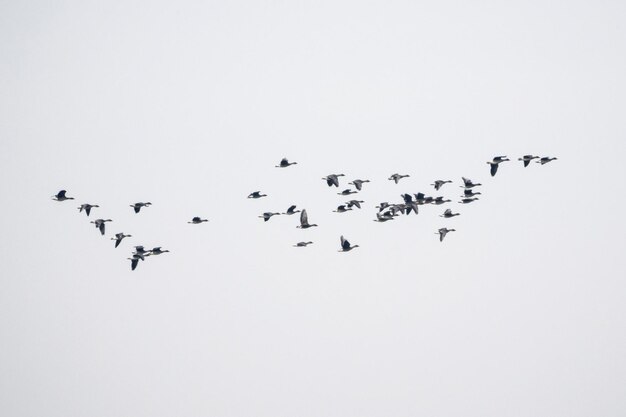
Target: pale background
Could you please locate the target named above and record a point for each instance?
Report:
(190, 105)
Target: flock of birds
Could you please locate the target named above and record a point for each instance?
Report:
(386, 211)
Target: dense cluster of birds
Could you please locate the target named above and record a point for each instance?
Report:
(386, 211)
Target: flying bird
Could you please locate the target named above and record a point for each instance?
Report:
(302, 244)
(443, 232)
(256, 194)
(526, 159)
(439, 183)
(358, 184)
(100, 224)
(345, 245)
(197, 220)
(467, 183)
(137, 206)
(118, 238)
(355, 203)
(87, 208)
(448, 214)
(304, 221)
(470, 193)
(545, 160)
(291, 210)
(60, 196)
(495, 162)
(342, 209)
(284, 163)
(268, 215)
(468, 200)
(333, 179)
(397, 177)
(347, 191)
(156, 251)
(134, 261)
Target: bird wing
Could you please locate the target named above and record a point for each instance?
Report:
(61, 194)
(118, 241)
(466, 181)
(137, 208)
(526, 162)
(494, 169)
(87, 209)
(335, 180)
(304, 219)
(133, 263)
(358, 185)
(101, 227)
(344, 243)
(291, 209)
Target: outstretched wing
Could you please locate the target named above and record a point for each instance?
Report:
(87, 209)
(101, 227)
(291, 209)
(494, 169)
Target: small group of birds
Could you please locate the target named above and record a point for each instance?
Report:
(496, 161)
(140, 253)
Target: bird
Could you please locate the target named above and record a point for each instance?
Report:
(382, 206)
(60, 196)
(355, 203)
(495, 162)
(408, 199)
(412, 206)
(440, 200)
(545, 160)
(397, 177)
(467, 183)
(526, 159)
(442, 233)
(358, 184)
(118, 238)
(291, 210)
(140, 252)
(100, 224)
(470, 193)
(138, 206)
(384, 217)
(134, 261)
(347, 191)
(301, 244)
(333, 179)
(87, 208)
(197, 220)
(304, 221)
(345, 245)
(439, 183)
(268, 215)
(284, 163)
(156, 251)
(342, 209)
(468, 200)
(448, 214)
(256, 194)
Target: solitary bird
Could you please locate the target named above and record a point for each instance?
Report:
(439, 183)
(87, 208)
(442, 233)
(468, 200)
(118, 238)
(284, 163)
(342, 209)
(347, 191)
(197, 220)
(304, 221)
(526, 159)
(545, 160)
(397, 177)
(345, 245)
(268, 215)
(448, 214)
(333, 179)
(495, 162)
(60, 196)
(138, 206)
(358, 184)
(291, 210)
(467, 183)
(256, 194)
(100, 224)
(301, 244)
(156, 251)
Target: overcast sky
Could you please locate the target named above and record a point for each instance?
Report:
(189, 105)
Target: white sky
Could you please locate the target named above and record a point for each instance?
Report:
(190, 105)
